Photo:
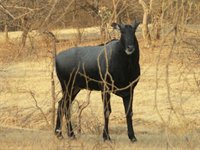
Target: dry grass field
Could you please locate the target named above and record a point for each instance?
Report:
(166, 103)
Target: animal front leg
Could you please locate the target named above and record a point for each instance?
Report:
(107, 112)
(128, 100)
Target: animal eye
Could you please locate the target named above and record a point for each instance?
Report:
(122, 32)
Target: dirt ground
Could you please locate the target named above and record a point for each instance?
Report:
(166, 107)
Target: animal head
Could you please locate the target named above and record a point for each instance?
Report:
(127, 35)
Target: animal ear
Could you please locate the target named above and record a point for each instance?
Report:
(116, 26)
(135, 24)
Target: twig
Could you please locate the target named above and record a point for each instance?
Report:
(81, 108)
(38, 107)
(6, 11)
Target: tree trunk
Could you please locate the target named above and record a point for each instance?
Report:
(26, 28)
(145, 29)
(114, 11)
(53, 94)
(6, 31)
(53, 89)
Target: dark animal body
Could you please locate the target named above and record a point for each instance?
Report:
(110, 68)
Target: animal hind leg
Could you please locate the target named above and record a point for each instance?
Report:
(69, 101)
(61, 111)
(58, 129)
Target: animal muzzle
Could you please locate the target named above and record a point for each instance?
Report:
(129, 50)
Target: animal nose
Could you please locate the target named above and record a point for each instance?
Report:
(130, 47)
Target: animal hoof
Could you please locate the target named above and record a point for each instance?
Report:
(73, 137)
(59, 135)
(133, 140)
(107, 138)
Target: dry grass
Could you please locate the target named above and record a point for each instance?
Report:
(23, 126)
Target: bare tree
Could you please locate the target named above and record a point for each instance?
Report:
(53, 93)
(145, 29)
